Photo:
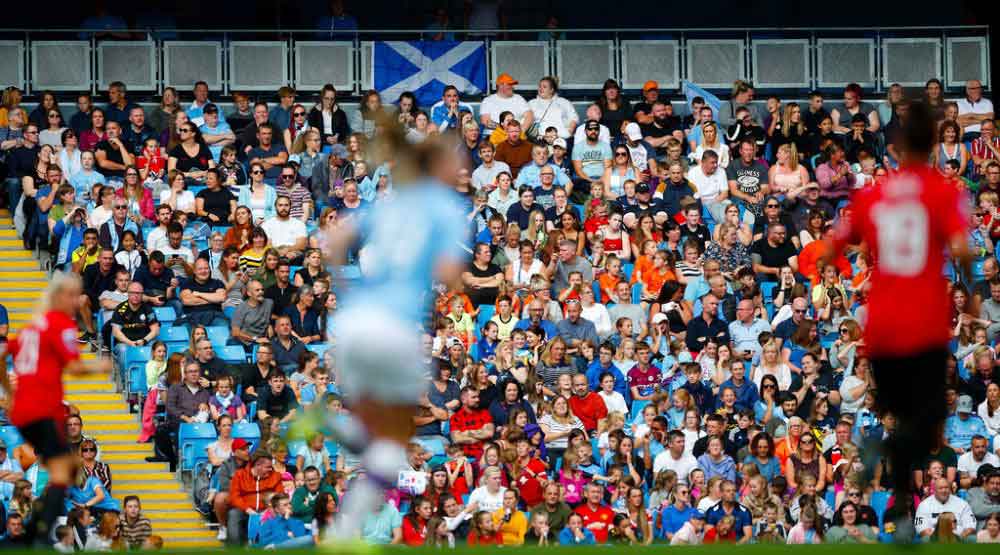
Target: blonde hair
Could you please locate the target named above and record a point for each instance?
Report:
(793, 155)
(57, 283)
(612, 419)
(786, 121)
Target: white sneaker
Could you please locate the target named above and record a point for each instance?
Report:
(222, 535)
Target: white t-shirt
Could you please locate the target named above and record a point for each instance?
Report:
(682, 466)
(782, 373)
(930, 508)
(183, 252)
(555, 112)
(484, 176)
(848, 404)
(487, 501)
(708, 187)
(156, 240)
(722, 150)
(970, 466)
(984, 106)
(614, 401)
(686, 536)
(185, 200)
(992, 422)
(284, 233)
(493, 105)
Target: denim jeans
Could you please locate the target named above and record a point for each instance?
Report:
(13, 186)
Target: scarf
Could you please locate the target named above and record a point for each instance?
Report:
(226, 401)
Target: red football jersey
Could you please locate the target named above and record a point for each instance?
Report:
(41, 351)
(907, 224)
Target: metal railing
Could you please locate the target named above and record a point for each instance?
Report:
(779, 59)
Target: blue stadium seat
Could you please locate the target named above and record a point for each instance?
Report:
(218, 335)
(175, 347)
(627, 270)
(433, 444)
(134, 367)
(165, 314)
(174, 334)
(192, 439)
(293, 448)
(636, 293)
(596, 286)
(292, 270)
(11, 437)
(318, 348)
(233, 354)
(248, 431)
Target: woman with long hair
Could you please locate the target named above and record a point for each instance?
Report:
(297, 125)
(370, 110)
(93, 467)
(809, 528)
(787, 174)
(46, 105)
(259, 197)
(169, 137)
(710, 140)
(160, 117)
(806, 460)
(645, 230)
(790, 130)
(557, 427)
(553, 362)
(845, 348)
(176, 195)
(328, 119)
(771, 365)
(238, 235)
(191, 156)
(90, 137)
(51, 132)
(307, 152)
(221, 449)
(324, 515)
(108, 536)
(950, 147)
(139, 198)
(415, 527)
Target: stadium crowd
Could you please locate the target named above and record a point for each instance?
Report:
(648, 344)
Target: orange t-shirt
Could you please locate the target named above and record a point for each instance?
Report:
(608, 283)
(654, 279)
(643, 264)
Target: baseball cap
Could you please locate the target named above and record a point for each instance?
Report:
(240, 443)
(659, 317)
(210, 109)
(633, 132)
(506, 79)
(964, 404)
(698, 515)
(642, 188)
(559, 142)
(338, 150)
(592, 124)
(650, 85)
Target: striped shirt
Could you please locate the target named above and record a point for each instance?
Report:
(299, 196)
(134, 533)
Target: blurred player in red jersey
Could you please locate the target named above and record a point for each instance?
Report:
(43, 349)
(907, 224)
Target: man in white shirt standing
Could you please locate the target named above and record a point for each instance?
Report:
(711, 186)
(944, 502)
(157, 238)
(485, 176)
(505, 100)
(286, 234)
(973, 109)
(674, 458)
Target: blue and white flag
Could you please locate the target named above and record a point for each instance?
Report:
(691, 90)
(425, 67)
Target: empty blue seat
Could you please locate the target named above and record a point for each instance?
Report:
(248, 431)
(218, 335)
(486, 313)
(637, 293)
(627, 270)
(165, 314)
(134, 367)
(192, 439)
(233, 354)
(174, 334)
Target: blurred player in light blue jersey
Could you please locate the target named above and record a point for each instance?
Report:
(407, 243)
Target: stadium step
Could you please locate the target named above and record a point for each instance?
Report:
(105, 413)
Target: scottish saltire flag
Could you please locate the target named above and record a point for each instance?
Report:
(691, 90)
(425, 67)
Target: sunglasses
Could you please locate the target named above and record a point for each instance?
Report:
(621, 154)
(800, 311)
(807, 442)
(854, 494)
(844, 330)
(769, 386)
(770, 206)
(88, 450)
(257, 172)
(122, 207)
(299, 114)
(287, 177)
(184, 131)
